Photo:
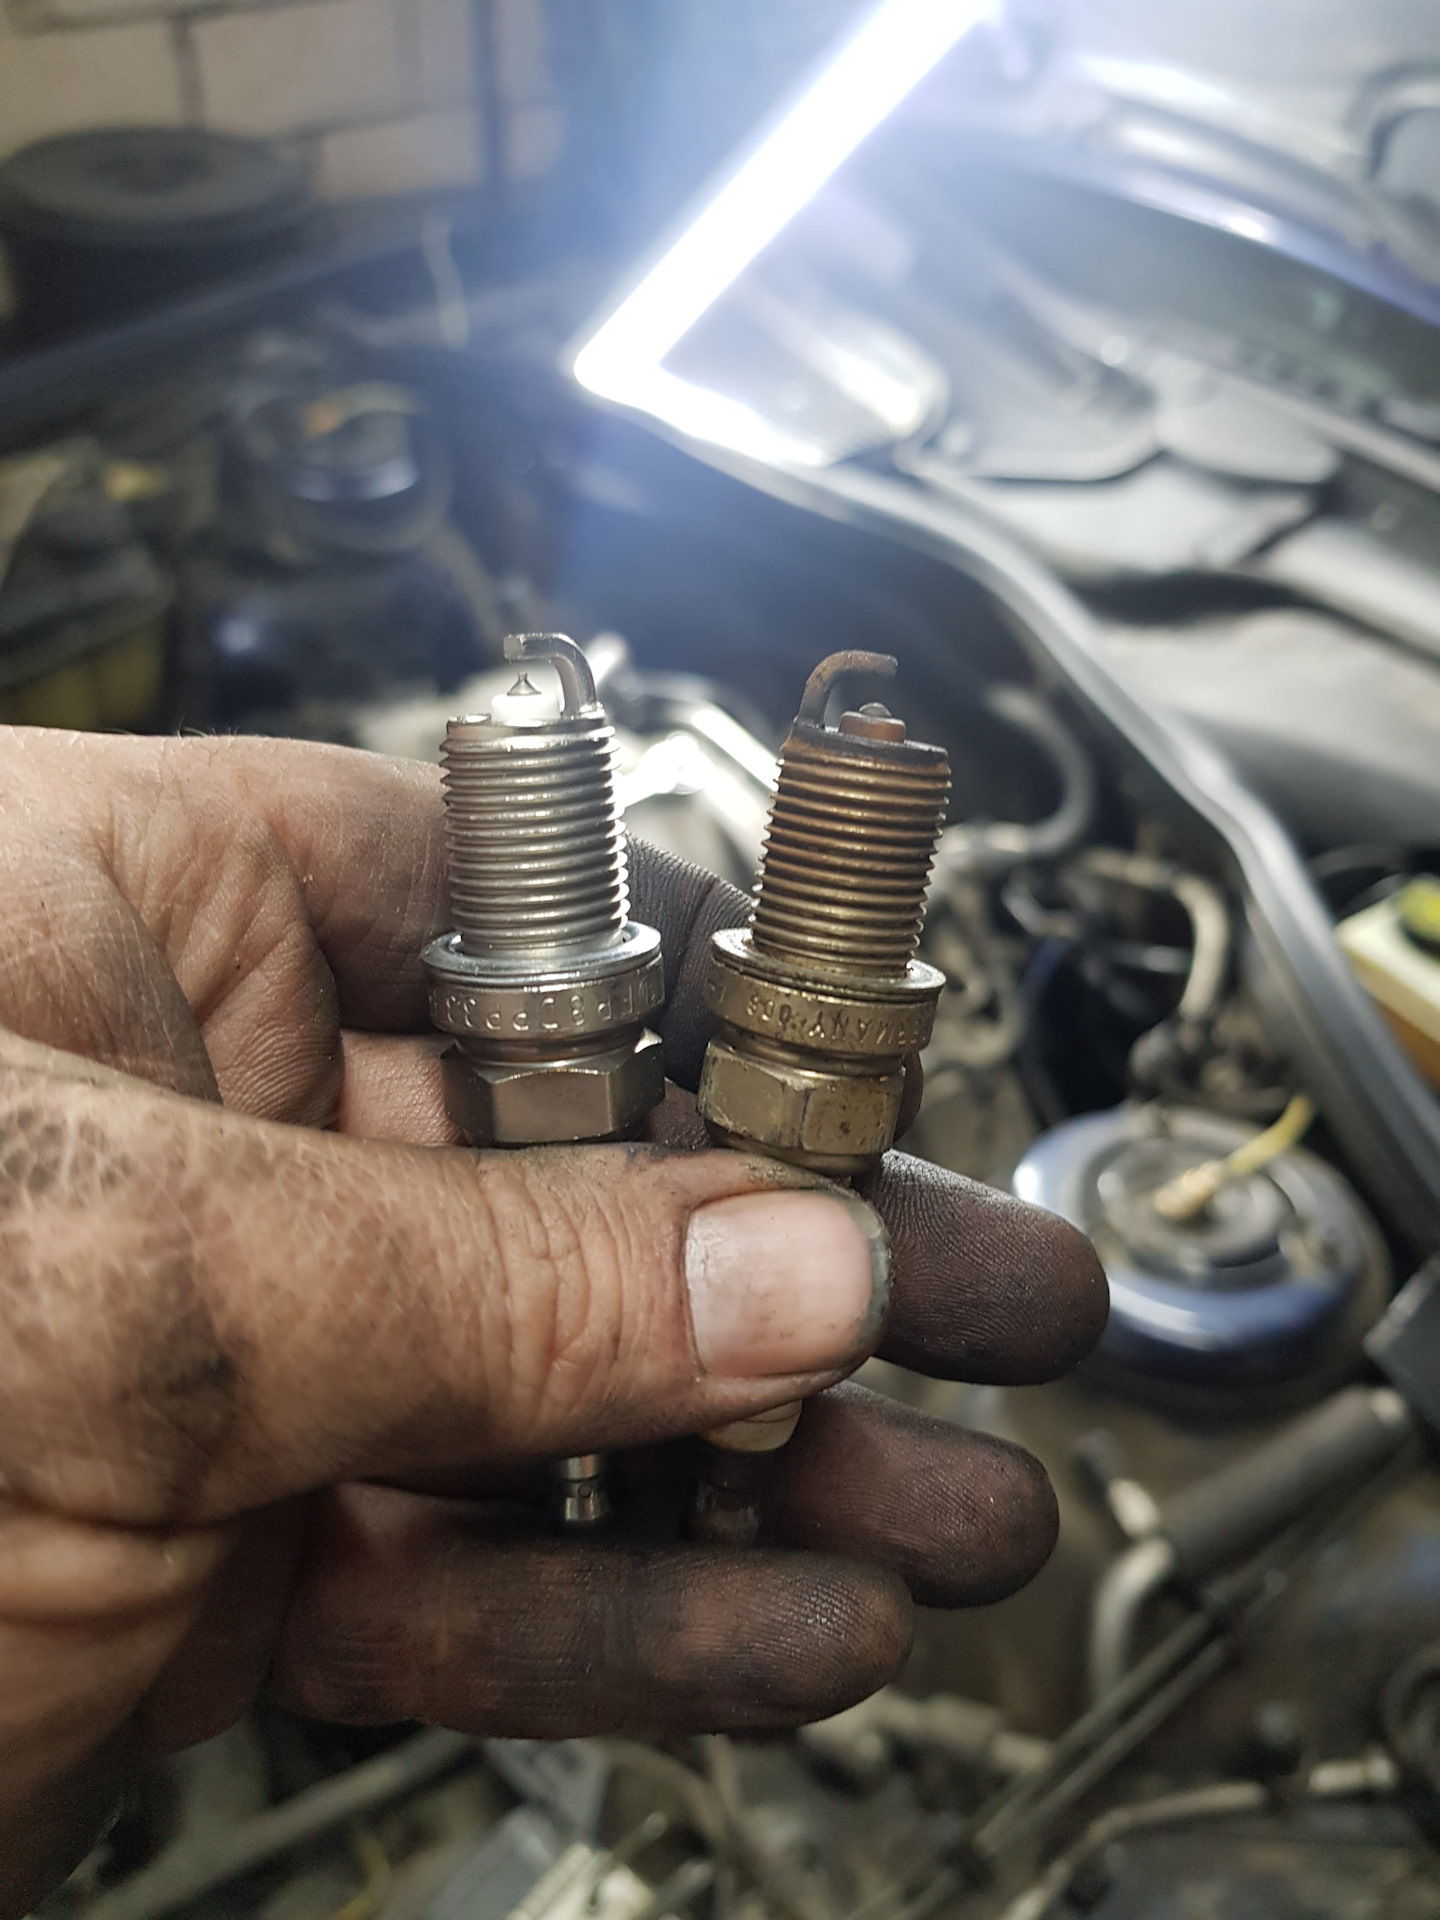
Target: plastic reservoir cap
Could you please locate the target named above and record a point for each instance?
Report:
(526, 705)
(1419, 905)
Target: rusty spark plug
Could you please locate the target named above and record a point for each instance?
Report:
(820, 1001)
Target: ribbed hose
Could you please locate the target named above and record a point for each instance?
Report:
(534, 838)
(847, 857)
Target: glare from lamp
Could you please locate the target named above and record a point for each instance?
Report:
(863, 82)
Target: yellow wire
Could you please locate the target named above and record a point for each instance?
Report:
(375, 1865)
(1189, 1192)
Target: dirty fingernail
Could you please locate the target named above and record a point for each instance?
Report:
(785, 1282)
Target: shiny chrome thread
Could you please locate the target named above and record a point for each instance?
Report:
(534, 840)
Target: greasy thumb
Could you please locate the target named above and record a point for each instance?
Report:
(222, 1311)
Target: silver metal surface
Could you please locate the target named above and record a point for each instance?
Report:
(1126, 1590)
(579, 1500)
(606, 990)
(534, 843)
(554, 1101)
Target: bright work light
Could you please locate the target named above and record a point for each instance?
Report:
(863, 81)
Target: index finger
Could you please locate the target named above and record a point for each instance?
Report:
(365, 836)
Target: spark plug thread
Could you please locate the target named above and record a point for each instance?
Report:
(848, 852)
(535, 849)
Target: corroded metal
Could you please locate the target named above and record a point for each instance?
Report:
(848, 852)
(820, 1001)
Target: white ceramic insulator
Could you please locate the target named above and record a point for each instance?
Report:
(526, 706)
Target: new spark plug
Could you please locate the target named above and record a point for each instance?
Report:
(546, 984)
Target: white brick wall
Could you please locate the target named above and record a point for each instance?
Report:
(381, 92)
(292, 69)
(395, 156)
(56, 82)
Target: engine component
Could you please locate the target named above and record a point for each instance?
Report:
(1405, 1343)
(1225, 1847)
(113, 219)
(529, 1866)
(1267, 1289)
(82, 601)
(859, 1744)
(820, 1000)
(194, 1868)
(997, 846)
(1188, 1195)
(322, 467)
(545, 984)
(1212, 1523)
(1204, 906)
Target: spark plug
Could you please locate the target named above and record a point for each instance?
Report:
(545, 985)
(820, 1000)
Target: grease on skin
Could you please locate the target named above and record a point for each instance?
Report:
(420, 1610)
(111, 1366)
(55, 1159)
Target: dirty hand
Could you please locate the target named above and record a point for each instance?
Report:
(260, 1336)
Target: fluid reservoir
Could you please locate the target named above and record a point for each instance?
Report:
(1394, 948)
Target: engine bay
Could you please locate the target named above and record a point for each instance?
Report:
(1174, 615)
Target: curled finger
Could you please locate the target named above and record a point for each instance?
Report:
(411, 1608)
(963, 1518)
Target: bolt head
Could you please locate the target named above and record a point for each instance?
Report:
(602, 1096)
(836, 1122)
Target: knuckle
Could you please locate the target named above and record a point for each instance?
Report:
(567, 1286)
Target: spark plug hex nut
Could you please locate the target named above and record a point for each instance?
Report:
(835, 1122)
(592, 1097)
(808, 1068)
